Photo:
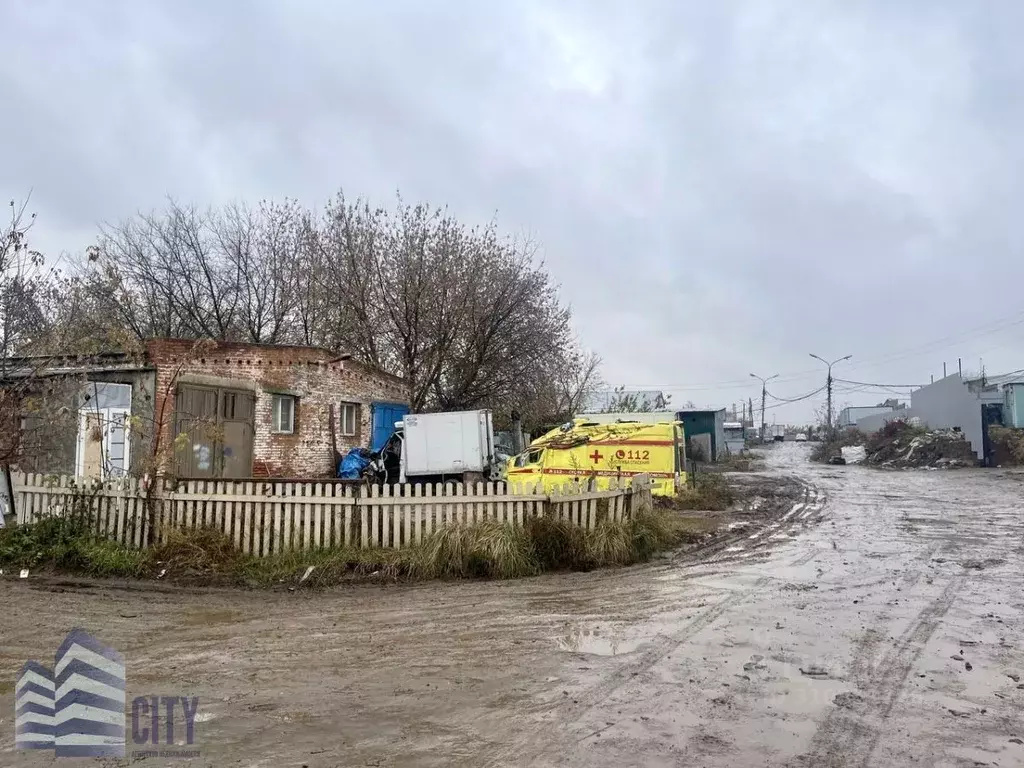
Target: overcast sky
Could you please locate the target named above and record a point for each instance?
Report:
(719, 187)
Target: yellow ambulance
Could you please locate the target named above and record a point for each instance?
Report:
(586, 451)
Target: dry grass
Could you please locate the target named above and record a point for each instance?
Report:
(204, 550)
(489, 549)
(330, 566)
(560, 545)
(737, 462)
(710, 492)
(611, 543)
(484, 550)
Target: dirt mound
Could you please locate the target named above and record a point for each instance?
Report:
(900, 444)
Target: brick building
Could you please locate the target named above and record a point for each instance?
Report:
(219, 409)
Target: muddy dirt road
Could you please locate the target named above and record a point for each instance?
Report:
(839, 633)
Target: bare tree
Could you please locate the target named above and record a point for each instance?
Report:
(262, 250)
(165, 275)
(468, 318)
(563, 390)
(23, 285)
(22, 280)
(577, 379)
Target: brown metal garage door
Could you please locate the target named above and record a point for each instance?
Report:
(213, 430)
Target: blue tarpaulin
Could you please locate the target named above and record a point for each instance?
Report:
(355, 461)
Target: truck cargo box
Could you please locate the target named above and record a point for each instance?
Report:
(447, 443)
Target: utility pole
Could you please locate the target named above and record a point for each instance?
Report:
(764, 394)
(828, 386)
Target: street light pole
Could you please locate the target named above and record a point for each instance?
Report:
(764, 393)
(828, 386)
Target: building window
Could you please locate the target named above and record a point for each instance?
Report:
(349, 419)
(284, 414)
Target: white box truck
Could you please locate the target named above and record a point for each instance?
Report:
(432, 447)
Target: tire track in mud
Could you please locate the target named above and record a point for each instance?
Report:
(849, 737)
(788, 517)
(748, 541)
(552, 732)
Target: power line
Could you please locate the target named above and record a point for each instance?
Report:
(796, 399)
(906, 353)
(874, 391)
(783, 404)
(882, 386)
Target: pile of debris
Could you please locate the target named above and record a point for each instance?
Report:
(900, 445)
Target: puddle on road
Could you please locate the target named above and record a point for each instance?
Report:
(599, 641)
(618, 639)
(209, 617)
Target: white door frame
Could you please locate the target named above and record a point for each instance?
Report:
(107, 417)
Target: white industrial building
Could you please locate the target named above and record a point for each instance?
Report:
(849, 416)
(969, 405)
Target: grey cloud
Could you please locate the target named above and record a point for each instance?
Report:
(719, 187)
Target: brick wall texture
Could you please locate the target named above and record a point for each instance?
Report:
(317, 378)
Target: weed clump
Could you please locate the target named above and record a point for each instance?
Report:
(709, 492)
(489, 549)
(560, 545)
(66, 544)
(199, 551)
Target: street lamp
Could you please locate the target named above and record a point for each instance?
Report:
(828, 385)
(764, 393)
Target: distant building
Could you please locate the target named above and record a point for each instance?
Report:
(735, 436)
(641, 399)
(1013, 404)
(848, 416)
(968, 405)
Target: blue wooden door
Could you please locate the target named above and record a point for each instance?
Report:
(384, 417)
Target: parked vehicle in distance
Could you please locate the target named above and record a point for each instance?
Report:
(778, 433)
(588, 452)
(801, 438)
(434, 447)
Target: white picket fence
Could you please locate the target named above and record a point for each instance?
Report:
(269, 517)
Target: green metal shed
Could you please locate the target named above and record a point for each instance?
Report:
(705, 422)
